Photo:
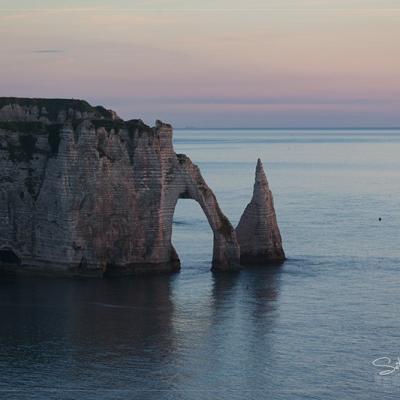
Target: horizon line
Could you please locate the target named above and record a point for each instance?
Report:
(292, 127)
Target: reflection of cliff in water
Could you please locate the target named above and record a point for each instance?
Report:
(255, 289)
(151, 334)
(124, 315)
(227, 328)
(90, 328)
(247, 303)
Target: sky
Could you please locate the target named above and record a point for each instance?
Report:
(220, 63)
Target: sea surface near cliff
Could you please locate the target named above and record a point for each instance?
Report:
(309, 329)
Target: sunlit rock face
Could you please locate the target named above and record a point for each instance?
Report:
(258, 232)
(83, 192)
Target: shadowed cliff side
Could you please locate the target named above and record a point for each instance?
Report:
(258, 232)
(83, 192)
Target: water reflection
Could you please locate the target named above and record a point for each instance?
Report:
(248, 306)
(134, 334)
(86, 334)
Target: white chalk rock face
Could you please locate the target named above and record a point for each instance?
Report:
(83, 192)
(258, 232)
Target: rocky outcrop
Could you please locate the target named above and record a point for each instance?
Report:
(83, 192)
(258, 232)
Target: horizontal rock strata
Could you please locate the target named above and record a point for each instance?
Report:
(83, 192)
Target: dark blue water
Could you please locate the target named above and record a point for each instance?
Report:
(307, 330)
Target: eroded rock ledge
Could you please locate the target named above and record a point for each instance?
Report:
(83, 192)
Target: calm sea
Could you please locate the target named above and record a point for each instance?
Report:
(308, 330)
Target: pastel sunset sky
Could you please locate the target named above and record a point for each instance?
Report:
(219, 63)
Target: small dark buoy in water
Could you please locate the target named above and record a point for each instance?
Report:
(380, 219)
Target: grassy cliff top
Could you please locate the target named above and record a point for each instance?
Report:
(51, 108)
(54, 106)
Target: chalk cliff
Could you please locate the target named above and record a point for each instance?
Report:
(258, 232)
(83, 192)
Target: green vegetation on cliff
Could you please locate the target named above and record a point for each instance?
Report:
(33, 127)
(25, 150)
(53, 107)
(54, 137)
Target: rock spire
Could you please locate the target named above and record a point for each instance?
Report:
(258, 232)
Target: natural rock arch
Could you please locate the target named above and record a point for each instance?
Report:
(86, 193)
(189, 184)
(192, 236)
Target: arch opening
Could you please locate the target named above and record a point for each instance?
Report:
(192, 236)
(7, 256)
